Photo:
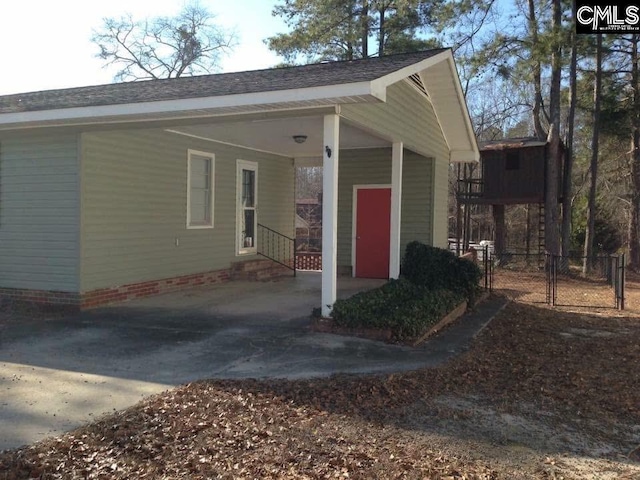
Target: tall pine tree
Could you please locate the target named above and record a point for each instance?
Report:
(349, 29)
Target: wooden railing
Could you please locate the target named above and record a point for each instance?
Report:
(470, 188)
(309, 261)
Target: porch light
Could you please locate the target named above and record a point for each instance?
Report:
(299, 138)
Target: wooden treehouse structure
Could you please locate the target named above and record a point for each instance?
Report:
(511, 172)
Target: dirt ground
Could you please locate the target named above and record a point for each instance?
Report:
(528, 284)
(544, 393)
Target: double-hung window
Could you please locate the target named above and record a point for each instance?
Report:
(247, 205)
(200, 182)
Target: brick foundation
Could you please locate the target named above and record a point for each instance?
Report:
(104, 296)
(40, 297)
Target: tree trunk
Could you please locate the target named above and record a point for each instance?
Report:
(364, 19)
(634, 214)
(591, 207)
(498, 221)
(567, 172)
(466, 229)
(537, 75)
(382, 11)
(459, 192)
(552, 243)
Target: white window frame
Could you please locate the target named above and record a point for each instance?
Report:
(241, 249)
(212, 159)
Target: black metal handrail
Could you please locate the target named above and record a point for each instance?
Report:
(277, 247)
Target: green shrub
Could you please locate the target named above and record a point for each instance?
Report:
(405, 308)
(435, 269)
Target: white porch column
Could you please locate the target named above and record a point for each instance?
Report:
(330, 150)
(396, 209)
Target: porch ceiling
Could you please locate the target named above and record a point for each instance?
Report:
(276, 135)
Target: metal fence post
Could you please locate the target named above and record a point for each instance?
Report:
(622, 272)
(547, 265)
(491, 274)
(294, 258)
(554, 276)
(485, 258)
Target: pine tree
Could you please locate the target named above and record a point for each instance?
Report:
(347, 29)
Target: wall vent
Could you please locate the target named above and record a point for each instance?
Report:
(416, 81)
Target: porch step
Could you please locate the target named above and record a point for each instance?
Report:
(258, 270)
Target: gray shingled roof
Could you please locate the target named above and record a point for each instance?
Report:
(316, 75)
(511, 143)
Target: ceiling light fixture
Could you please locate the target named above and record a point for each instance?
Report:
(299, 138)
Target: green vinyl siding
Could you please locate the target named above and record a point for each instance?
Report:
(373, 167)
(135, 200)
(418, 192)
(408, 116)
(440, 204)
(39, 212)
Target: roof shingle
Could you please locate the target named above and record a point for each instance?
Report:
(255, 81)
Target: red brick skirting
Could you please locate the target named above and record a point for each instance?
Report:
(121, 293)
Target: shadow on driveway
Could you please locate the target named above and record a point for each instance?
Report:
(59, 373)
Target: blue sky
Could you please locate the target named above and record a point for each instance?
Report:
(44, 44)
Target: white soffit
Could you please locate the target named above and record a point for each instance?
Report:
(276, 135)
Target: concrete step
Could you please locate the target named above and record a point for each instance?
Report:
(258, 270)
(251, 265)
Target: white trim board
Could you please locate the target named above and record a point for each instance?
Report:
(181, 106)
(206, 139)
(246, 165)
(212, 180)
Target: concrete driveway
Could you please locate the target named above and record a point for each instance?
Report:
(58, 373)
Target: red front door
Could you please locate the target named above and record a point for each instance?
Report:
(373, 217)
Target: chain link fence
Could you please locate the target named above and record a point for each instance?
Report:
(579, 281)
(559, 280)
(519, 276)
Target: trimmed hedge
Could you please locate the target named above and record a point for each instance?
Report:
(433, 282)
(405, 308)
(435, 269)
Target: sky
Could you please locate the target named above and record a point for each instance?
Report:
(45, 44)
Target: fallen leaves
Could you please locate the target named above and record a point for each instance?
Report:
(368, 426)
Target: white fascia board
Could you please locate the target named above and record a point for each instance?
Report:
(464, 156)
(398, 75)
(423, 68)
(463, 103)
(199, 104)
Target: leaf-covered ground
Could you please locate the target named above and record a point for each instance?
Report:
(541, 394)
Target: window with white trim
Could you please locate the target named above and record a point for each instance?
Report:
(200, 182)
(247, 206)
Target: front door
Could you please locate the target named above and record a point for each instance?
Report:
(373, 222)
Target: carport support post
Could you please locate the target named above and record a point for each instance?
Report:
(396, 209)
(330, 155)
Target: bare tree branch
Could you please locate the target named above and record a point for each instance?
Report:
(163, 47)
